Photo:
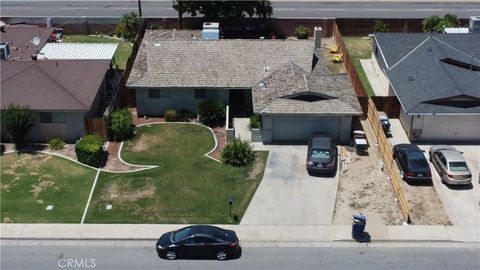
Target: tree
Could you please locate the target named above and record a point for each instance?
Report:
(435, 24)
(430, 24)
(18, 120)
(131, 21)
(381, 26)
(218, 10)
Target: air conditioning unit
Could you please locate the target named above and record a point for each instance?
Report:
(4, 50)
(211, 31)
(474, 24)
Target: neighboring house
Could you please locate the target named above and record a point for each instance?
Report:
(62, 93)
(436, 78)
(20, 40)
(295, 104)
(176, 70)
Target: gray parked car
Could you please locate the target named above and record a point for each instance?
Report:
(322, 155)
(451, 165)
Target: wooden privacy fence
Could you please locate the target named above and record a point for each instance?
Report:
(98, 126)
(386, 150)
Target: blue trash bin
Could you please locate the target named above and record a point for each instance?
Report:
(358, 226)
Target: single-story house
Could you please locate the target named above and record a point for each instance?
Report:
(177, 69)
(436, 78)
(294, 104)
(63, 93)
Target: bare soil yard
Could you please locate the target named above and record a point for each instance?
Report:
(364, 187)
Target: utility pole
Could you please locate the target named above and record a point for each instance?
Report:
(139, 8)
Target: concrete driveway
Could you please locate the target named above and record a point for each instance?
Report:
(460, 203)
(287, 195)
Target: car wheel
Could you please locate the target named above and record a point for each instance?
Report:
(171, 255)
(221, 255)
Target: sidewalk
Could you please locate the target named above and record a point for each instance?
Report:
(246, 233)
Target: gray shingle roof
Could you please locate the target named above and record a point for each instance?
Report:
(212, 63)
(418, 76)
(291, 79)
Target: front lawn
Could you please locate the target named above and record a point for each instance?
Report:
(187, 187)
(360, 48)
(30, 182)
(122, 53)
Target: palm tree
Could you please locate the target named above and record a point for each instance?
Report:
(131, 21)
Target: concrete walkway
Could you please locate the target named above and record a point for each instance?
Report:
(263, 234)
(241, 128)
(287, 195)
(373, 78)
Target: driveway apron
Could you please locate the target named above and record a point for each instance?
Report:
(287, 195)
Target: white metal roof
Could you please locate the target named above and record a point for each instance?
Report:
(78, 51)
(456, 30)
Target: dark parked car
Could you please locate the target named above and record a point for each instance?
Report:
(321, 155)
(199, 241)
(412, 162)
(385, 122)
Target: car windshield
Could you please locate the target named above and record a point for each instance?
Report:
(182, 234)
(458, 166)
(320, 153)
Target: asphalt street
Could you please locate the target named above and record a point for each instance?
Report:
(283, 9)
(89, 255)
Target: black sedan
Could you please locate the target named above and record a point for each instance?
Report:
(412, 162)
(321, 155)
(199, 241)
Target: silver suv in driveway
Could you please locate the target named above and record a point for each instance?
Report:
(451, 165)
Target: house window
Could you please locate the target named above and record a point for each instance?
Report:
(205, 93)
(52, 117)
(159, 93)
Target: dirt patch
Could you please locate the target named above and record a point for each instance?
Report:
(118, 193)
(36, 189)
(113, 163)
(143, 120)
(7, 220)
(257, 169)
(141, 144)
(220, 134)
(364, 187)
(425, 205)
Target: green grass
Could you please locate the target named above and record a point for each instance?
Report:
(187, 187)
(57, 181)
(122, 53)
(360, 48)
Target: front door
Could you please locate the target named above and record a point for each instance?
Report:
(240, 101)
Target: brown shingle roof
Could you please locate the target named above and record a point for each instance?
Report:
(20, 38)
(282, 85)
(166, 62)
(67, 85)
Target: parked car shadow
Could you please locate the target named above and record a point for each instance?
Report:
(459, 187)
(235, 257)
(419, 183)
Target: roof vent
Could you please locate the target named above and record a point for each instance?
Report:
(411, 78)
(430, 49)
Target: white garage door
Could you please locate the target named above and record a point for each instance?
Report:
(451, 128)
(299, 128)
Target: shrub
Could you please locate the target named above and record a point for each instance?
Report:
(121, 125)
(56, 143)
(381, 26)
(171, 116)
(211, 112)
(255, 121)
(238, 153)
(18, 120)
(185, 115)
(302, 32)
(430, 24)
(89, 150)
